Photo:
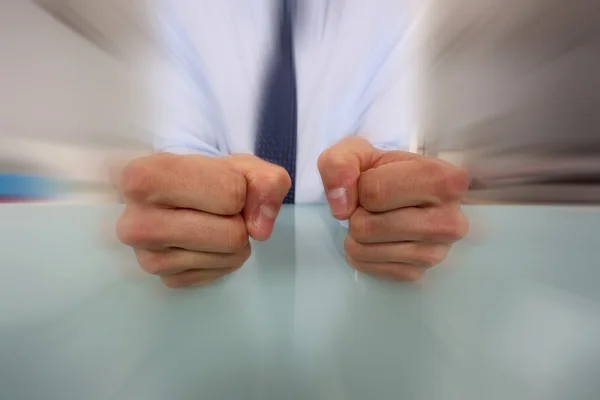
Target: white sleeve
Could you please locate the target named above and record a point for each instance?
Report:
(388, 120)
(185, 121)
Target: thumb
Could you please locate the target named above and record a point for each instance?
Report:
(268, 184)
(340, 167)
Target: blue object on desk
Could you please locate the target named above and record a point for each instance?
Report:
(516, 316)
(29, 187)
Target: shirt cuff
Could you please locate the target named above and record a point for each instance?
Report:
(182, 151)
(388, 147)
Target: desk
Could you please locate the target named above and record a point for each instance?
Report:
(513, 316)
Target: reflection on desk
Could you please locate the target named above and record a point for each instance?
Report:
(515, 316)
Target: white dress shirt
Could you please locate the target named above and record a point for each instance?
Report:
(351, 65)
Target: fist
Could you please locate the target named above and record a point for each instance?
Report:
(189, 218)
(403, 209)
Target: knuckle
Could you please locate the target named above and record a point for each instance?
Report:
(433, 256)
(246, 253)
(281, 177)
(360, 226)
(242, 256)
(184, 280)
(371, 192)
(231, 191)
(122, 229)
(354, 264)
(129, 230)
(137, 227)
(463, 225)
(237, 234)
(410, 274)
(274, 176)
(175, 282)
(352, 248)
(438, 173)
(338, 166)
(454, 227)
(459, 181)
(227, 271)
(323, 159)
(153, 263)
(137, 178)
(453, 182)
(330, 159)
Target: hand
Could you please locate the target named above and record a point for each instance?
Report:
(189, 218)
(404, 209)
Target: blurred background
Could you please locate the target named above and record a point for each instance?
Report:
(71, 102)
(508, 88)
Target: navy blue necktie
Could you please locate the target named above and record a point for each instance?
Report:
(277, 130)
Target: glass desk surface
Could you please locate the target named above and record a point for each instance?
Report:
(513, 315)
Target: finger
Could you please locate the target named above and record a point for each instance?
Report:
(159, 229)
(424, 255)
(173, 261)
(197, 277)
(391, 271)
(268, 184)
(443, 224)
(415, 182)
(191, 181)
(340, 167)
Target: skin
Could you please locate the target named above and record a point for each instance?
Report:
(189, 218)
(403, 209)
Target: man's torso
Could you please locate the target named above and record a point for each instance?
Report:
(340, 47)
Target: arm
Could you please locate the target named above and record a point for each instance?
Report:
(388, 120)
(185, 114)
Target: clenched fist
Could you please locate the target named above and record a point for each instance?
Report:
(189, 218)
(403, 209)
